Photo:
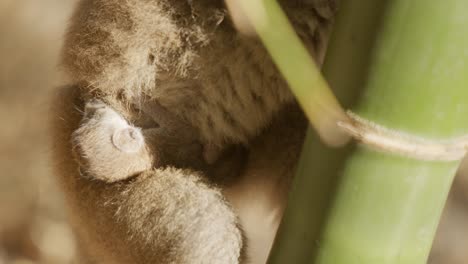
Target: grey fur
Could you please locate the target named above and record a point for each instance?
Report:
(187, 56)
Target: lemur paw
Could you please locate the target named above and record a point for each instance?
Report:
(107, 147)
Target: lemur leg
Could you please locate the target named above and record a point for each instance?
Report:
(163, 216)
(107, 146)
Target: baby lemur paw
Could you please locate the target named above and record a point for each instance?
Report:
(107, 147)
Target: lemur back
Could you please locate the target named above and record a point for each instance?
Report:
(189, 57)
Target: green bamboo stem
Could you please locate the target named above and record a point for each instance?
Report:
(413, 70)
(346, 67)
(292, 58)
(387, 208)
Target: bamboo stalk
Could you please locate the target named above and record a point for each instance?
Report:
(387, 208)
(292, 58)
(410, 58)
(317, 175)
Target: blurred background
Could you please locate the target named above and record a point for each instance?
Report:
(33, 226)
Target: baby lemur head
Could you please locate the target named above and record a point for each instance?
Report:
(107, 147)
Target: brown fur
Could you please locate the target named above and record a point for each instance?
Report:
(143, 220)
(187, 57)
(109, 148)
(165, 215)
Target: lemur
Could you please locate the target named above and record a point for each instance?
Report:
(162, 84)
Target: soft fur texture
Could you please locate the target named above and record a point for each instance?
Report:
(162, 216)
(188, 56)
(110, 149)
(222, 86)
(150, 218)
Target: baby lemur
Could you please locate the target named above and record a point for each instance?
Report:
(164, 82)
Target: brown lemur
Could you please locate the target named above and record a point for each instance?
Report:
(167, 82)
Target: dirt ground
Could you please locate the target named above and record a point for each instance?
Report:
(33, 225)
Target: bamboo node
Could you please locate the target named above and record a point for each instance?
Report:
(396, 142)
